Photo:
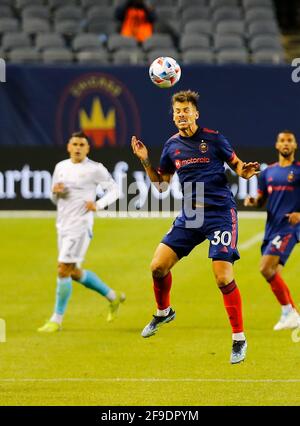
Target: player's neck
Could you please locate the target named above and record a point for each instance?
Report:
(190, 131)
(77, 161)
(286, 161)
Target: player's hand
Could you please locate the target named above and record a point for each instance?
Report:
(249, 201)
(60, 190)
(139, 148)
(90, 206)
(293, 218)
(250, 169)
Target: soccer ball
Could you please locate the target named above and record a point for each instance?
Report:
(164, 72)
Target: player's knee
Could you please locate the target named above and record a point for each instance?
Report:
(65, 270)
(223, 279)
(267, 271)
(76, 274)
(158, 270)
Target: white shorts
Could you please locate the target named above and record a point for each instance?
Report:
(72, 246)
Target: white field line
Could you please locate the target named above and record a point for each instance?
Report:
(10, 214)
(143, 380)
(251, 242)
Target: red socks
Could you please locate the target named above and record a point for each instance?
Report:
(233, 306)
(231, 297)
(162, 288)
(281, 290)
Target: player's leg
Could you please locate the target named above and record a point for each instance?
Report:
(163, 260)
(63, 294)
(178, 242)
(270, 268)
(222, 232)
(93, 282)
(224, 276)
(69, 246)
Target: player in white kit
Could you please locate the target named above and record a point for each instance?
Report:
(74, 192)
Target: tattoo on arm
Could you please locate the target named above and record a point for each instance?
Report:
(146, 163)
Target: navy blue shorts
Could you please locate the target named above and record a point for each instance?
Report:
(220, 227)
(280, 245)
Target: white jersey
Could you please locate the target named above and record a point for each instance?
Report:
(81, 181)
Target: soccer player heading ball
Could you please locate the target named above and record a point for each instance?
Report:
(74, 191)
(197, 155)
(279, 185)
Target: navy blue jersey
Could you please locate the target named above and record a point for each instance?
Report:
(200, 158)
(281, 186)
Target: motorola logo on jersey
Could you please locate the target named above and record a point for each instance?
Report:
(196, 160)
(102, 107)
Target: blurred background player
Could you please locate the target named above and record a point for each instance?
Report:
(279, 185)
(198, 155)
(74, 191)
(136, 19)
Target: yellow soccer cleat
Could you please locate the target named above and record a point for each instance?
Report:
(50, 327)
(114, 306)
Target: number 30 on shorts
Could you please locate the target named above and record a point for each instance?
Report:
(224, 238)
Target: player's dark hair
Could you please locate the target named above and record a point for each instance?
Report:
(80, 134)
(287, 131)
(186, 96)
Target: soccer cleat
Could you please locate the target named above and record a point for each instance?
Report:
(290, 320)
(50, 327)
(157, 322)
(238, 353)
(114, 306)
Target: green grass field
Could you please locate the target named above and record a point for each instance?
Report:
(92, 362)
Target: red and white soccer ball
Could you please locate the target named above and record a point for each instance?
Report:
(164, 72)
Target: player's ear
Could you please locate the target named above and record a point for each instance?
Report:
(197, 114)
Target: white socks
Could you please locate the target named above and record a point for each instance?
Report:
(286, 309)
(238, 336)
(111, 295)
(57, 318)
(162, 312)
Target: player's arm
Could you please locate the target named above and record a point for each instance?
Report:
(109, 185)
(160, 180)
(293, 218)
(58, 189)
(245, 170)
(262, 192)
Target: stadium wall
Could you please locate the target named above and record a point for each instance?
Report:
(42, 105)
(25, 177)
